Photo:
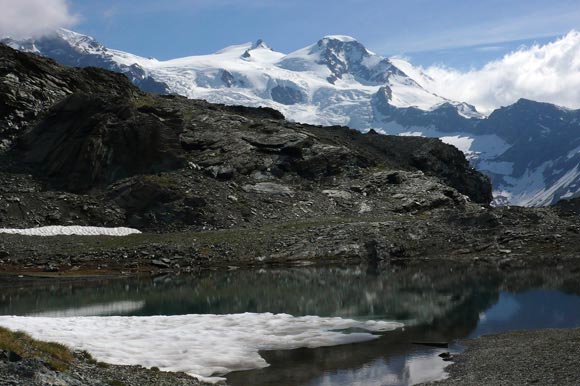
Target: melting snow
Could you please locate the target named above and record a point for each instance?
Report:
(202, 345)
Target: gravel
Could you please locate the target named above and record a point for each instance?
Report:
(531, 357)
(86, 372)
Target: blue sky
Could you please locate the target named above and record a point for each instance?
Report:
(426, 31)
(474, 56)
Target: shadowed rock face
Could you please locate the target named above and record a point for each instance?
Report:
(445, 117)
(30, 85)
(88, 141)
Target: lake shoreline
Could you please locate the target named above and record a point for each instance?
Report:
(524, 357)
(195, 252)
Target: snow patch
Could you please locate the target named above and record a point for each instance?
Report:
(477, 148)
(463, 143)
(58, 230)
(200, 345)
(530, 189)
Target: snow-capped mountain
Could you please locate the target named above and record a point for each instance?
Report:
(542, 163)
(74, 49)
(329, 82)
(529, 149)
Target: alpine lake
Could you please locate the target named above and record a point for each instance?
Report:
(438, 305)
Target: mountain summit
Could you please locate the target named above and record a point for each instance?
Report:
(342, 55)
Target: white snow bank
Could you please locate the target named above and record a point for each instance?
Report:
(58, 230)
(202, 345)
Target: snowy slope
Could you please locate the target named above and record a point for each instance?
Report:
(337, 81)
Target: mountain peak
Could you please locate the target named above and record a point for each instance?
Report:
(261, 51)
(341, 38)
(260, 44)
(341, 43)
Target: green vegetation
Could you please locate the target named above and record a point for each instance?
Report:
(56, 355)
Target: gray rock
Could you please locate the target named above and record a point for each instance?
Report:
(269, 188)
(160, 264)
(340, 194)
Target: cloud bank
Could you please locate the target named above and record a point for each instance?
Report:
(545, 73)
(33, 18)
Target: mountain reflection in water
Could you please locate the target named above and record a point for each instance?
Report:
(436, 304)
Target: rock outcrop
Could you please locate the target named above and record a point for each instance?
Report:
(30, 85)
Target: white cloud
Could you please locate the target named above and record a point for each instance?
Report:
(31, 18)
(548, 73)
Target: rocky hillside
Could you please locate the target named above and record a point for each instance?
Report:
(86, 147)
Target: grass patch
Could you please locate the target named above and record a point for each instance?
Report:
(56, 355)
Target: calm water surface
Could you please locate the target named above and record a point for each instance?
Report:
(441, 304)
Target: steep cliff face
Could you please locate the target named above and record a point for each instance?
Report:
(92, 140)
